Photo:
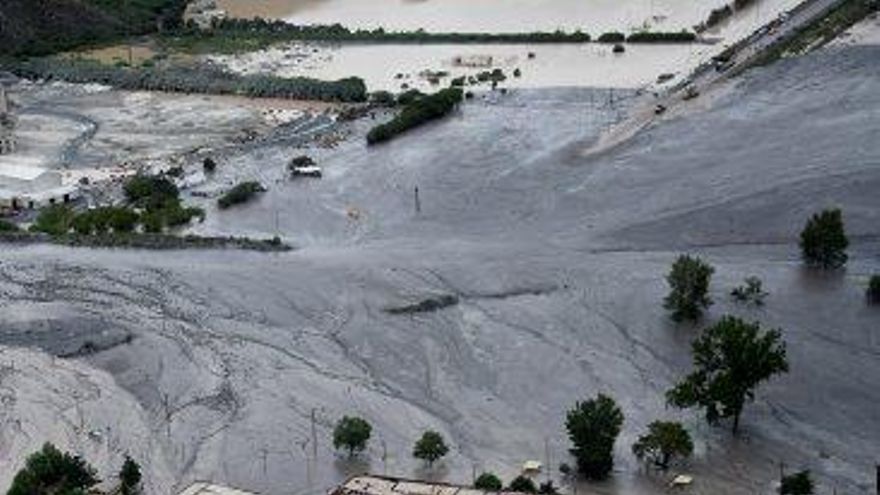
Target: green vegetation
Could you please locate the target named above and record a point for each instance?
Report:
(237, 35)
(52, 472)
(8, 226)
(612, 37)
(664, 441)
(688, 288)
(752, 292)
(659, 37)
(129, 477)
(54, 220)
(873, 291)
(352, 433)
(430, 447)
(797, 484)
(209, 165)
(730, 359)
(522, 484)
(823, 240)
(823, 30)
(242, 193)
(488, 482)
(187, 79)
(593, 427)
(416, 113)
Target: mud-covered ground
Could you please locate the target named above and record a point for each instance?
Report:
(558, 264)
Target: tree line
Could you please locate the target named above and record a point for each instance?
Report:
(422, 109)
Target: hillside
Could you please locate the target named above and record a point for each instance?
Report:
(36, 27)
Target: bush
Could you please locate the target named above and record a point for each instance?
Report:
(823, 240)
(523, 485)
(673, 37)
(150, 191)
(418, 112)
(8, 226)
(54, 220)
(873, 292)
(50, 471)
(209, 165)
(593, 427)
(797, 484)
(688, 288)
(129, 477)
(612, 37)
(242, 193)
(383, 98)
(430, 447)
(352, 433)
(409, 96)
(488, 482)
(751, 292)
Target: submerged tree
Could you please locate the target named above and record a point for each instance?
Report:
(488, 482)
(731, 359)
(688, 288)
(523, 485)
(823, 240)
(797, 484)
(593, 427)
(430, 447)
(664, 441)
(50, 471)
(130, 477)
(352, 433)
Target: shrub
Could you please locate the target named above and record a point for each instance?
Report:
(593, 427)
(823, 240)
(751, 292)
(209, 165)
(352, 433)
(873, 292)
(523, 485)
(54, 220)
(8, 226)
(409, 96)
(417, 113)
(430, 447)
(383, 98)
(688, 288)
(150, 191)
(242, 193)
(488, 482)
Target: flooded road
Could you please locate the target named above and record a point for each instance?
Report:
(558, 264)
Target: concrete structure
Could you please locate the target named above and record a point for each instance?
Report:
(386, 485)
(7, 124)
(26, 186)
(202, 488)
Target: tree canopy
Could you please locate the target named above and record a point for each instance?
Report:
(130, 477)
(352, 433)
(523, 485)
(797, 484)
(430, 447)
(688, 288)
(730, 359)
(823, 240)
(593, 427)
(52, 472)
(489, 482)
(664, 441)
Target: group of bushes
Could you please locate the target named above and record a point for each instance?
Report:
(203, 79)
(241, 193)
(51, 471)
(648, 37)
(416, 113)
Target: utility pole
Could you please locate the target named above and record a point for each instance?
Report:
(418, 200)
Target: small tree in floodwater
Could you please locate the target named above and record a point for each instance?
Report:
(352, 433)
(873, 292)
(593, 427)
(664, 441)
(731, 359)
(430, 447)
(823, 240)
(522, 484)
(688, 288)
(488, 482)
(797, 484)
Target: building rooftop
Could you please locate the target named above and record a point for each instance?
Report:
(201, 488)
(383, 485)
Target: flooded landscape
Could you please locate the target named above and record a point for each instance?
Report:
(475, 276)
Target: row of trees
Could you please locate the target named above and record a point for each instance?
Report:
(353, 433)
(50, 471)
(419, 111)
(204, 79)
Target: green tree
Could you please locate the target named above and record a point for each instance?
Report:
(488, 482)
(664, 441)
(352, 433)
(522, 484)
(52, 472)
(593, 427)
(130, 477)
(823, 240)
(430, 447)
(873, 292)
(730, 359)
(797, 484)
(688, 288)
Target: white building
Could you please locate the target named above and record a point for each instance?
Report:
(209, 489)
(26, 186)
